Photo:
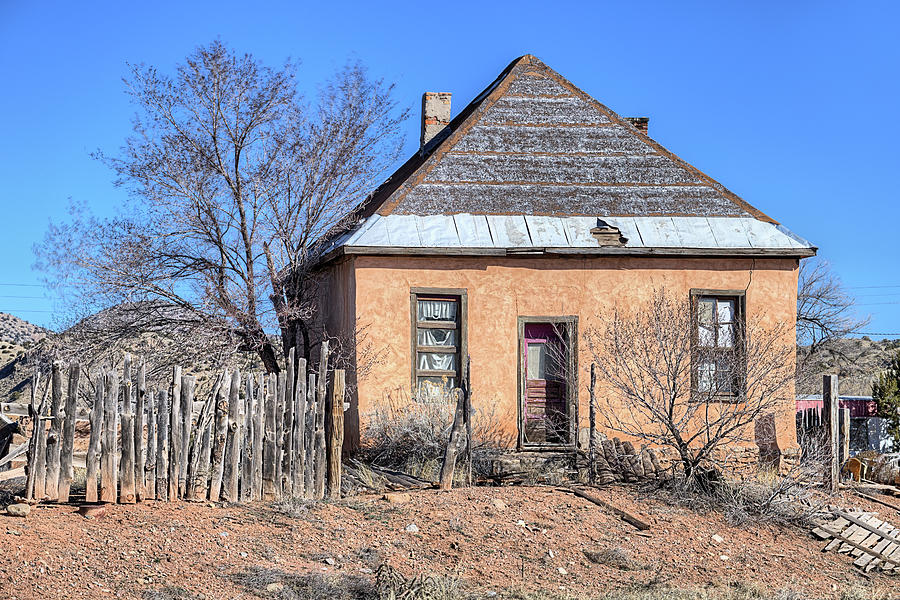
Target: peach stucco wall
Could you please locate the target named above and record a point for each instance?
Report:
(500, 289)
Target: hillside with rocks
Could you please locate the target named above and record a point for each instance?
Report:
(857, 362)
(19, 332)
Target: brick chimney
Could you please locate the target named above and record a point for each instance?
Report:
(435, 117)
(642, 124)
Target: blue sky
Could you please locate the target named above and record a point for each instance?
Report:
(793, 105)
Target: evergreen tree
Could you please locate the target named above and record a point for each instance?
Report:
(886, 393)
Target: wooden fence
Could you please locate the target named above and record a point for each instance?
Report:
(255, 437)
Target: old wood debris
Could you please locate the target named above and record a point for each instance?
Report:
(873, 543)
(624, 515)
(616, 461)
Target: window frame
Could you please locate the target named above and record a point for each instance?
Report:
(739, 322)
(461, 326)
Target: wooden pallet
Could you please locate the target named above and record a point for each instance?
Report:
(873, 543)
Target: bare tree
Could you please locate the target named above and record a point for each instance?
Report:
(672, 378)
(234, 180)
(825, 311)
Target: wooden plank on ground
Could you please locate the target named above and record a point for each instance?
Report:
(625, 516)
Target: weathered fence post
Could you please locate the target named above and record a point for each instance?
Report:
(93, 452)
(279, 432)
(467, 391)
(66, 470)
(108, 474)
(830, 407)
(188, 385)
(592, 416)
(175, 433)
(845, 434)
(162, 445)
(309, 473)
(320, 420)
(269, 453)
(336, 431)
(124, 408)
(139, 402)
(218, 440)
(456, 432)
(299, 444)
(150, 464)
(198, 467)
(247, 445)
(233, 439)
(36, 411)
(287, 439)
(49, 485)
(126, 494)
(259, 434)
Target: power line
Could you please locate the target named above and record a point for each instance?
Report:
(26, 297)
(23, 285)
(870, 287)
(876, 333)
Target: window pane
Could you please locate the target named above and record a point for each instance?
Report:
(435, 361)
(536, 367)
(436, 337)
(725, 310)
(436, 310)
(434, 388)
(706, 310)
(706, 376)
(726, 335)
(724, 378)
(706, 337)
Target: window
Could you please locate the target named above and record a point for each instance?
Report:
(718, 366)
(438, 342)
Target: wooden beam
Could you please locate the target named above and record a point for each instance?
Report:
(625, 516)
(830, 407)
(108, 452)
(336, 434)
(93, 452)
(66, 470)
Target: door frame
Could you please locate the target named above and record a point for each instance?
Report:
(570, 322)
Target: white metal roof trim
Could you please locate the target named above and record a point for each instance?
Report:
(531, 231)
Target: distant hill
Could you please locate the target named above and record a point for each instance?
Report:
(857, 362)
(20, 332)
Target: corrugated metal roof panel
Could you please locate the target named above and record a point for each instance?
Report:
(509, 231)
(546, 232)
(438, 231)
(473, 231)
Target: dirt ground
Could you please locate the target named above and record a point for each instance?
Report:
(500, 542)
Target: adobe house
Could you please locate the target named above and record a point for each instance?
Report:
(519, 221)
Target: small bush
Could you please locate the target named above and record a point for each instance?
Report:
(411, 437)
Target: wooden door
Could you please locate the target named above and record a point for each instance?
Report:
(545, 418)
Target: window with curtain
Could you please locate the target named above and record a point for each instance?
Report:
(437, 345)
(717, 361)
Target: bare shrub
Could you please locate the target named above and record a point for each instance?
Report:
(669, 386)
(312, 586)
(391, 585)
(410, 436)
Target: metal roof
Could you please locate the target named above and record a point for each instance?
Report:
(530, 232)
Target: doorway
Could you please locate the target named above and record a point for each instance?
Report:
(547, 386)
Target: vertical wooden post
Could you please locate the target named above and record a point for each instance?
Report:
(126, 495)
(175, 433)
(162, 445)
(37, 449)
(287, 443)
(150, 460)
(49, 487)
(830, 407)
(247, 445)
(124, 408)
(299, 442)
(188, 385)
(309, 473)
(270, 445)
(198, 469)
(336, 437)
(218, 440)
(259, 412)
(592, 416)
(279, 433)
(321, 400)
(93, 451)
(140, 399)
(66, 470)
(845, 435)
(467, 390)
(108, 454)
(233, 440)
(456, 433)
